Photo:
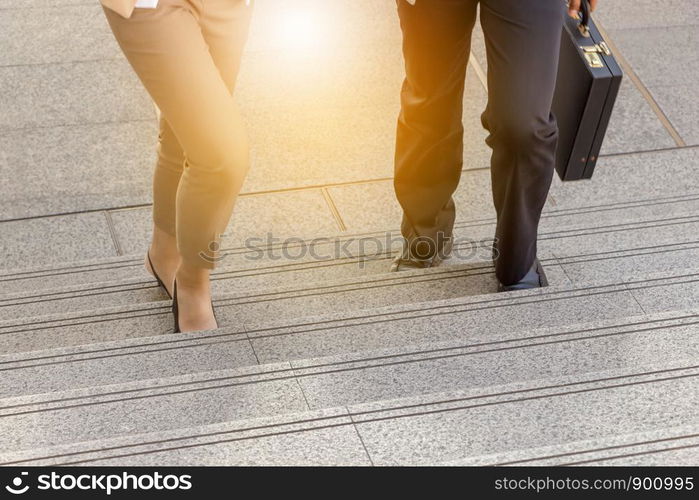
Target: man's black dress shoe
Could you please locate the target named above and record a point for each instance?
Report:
(406, 261)
(535, 278)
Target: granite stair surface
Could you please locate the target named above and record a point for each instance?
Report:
(676, 444)
(333, 360)
(389, 368)
(338, 361)
(558, 411)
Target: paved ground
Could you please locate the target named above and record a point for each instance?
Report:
(77, 132)
(338, 361)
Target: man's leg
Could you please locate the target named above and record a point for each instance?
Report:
(522, 42)
(429, 142)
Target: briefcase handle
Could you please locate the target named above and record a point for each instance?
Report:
(584, 26)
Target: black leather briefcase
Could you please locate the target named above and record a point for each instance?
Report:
(587, 86)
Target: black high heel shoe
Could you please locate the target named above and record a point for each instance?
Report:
(176, 310)
(155, 275)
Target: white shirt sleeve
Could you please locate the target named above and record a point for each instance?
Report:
(147, 4)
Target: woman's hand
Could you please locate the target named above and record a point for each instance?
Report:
(574, 7)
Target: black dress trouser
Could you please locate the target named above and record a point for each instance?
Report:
(522, 41)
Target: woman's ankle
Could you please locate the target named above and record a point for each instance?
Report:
(193, 277)
(163, 246)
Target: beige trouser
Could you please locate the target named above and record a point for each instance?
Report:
(187, 54)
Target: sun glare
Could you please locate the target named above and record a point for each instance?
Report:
(299, 30)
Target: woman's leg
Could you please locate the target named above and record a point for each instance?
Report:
(168, 51)
(162, 252)
(522, 42)
(225, 25)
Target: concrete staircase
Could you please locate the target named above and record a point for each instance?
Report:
(339, 362)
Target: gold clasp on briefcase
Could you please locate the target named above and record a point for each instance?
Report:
(592, 54)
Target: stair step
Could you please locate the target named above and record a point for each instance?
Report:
(354, 376)
(144, 290)
(615, 252)
(309, 438)
(341, 296)
(250, 269)
(472, 317)
(677, 447)
(296, 333)
(204, 398)
(426, 429)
